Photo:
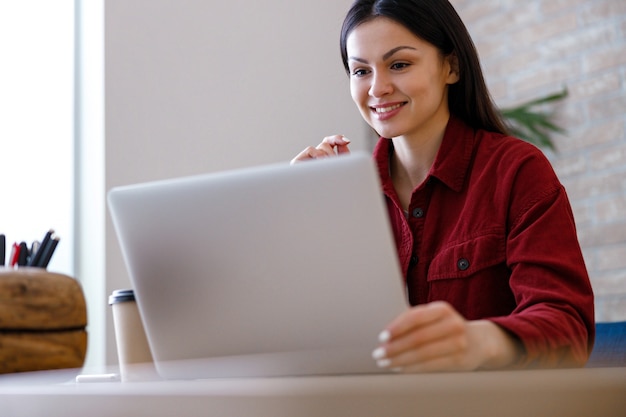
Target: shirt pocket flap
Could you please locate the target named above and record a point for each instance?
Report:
(463, 259)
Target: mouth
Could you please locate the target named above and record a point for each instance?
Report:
(386, 108)
(384, 112)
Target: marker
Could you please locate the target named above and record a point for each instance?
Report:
(33, 249)
(23, 255)
(35, 258)
(15, 253)
(3, 250)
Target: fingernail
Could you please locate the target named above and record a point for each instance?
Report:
(383, 363)
(379, 353)
(384, 336)
(345, 139)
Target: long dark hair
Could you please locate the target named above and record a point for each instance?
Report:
(436, 22)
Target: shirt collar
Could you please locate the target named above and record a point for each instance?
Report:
(451, 163)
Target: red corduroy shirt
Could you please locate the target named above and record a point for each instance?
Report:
(491, 232)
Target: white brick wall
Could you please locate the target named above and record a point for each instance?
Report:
(532, 48)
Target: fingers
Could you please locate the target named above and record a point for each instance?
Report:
(338, 143)
(307, 154)
(430, 337)
(419, 317)
(446, 353)
(330, 146)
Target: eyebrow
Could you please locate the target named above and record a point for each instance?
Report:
(386, 56)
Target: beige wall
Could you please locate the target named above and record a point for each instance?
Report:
(533, 47)
(196, 86)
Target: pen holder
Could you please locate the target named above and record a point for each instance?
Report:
(43, 316)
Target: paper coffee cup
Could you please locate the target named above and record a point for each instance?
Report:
(133, 350)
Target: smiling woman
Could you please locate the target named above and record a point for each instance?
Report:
(37, 122)
(393, 72)
(483, 228)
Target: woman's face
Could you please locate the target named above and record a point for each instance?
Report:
(398, 81)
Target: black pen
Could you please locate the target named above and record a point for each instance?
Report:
(3, 249)
(48, 251)
(35, 258)
(23, 256)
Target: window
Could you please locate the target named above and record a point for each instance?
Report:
(37, 124)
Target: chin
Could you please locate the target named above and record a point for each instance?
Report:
(386, 133)
(383, 130)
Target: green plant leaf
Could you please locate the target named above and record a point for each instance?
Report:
(534, 125)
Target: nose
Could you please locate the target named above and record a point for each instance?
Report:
(381, 84)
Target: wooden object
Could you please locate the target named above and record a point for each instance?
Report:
(43, 316)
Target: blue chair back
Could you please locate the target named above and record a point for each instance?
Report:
(610, 346)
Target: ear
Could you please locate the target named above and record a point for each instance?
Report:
(453, 68)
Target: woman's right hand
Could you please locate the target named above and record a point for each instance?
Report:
(330, 146)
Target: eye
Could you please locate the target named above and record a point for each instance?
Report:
(399, 65)
(359, 72)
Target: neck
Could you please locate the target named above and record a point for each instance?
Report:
(414, 155)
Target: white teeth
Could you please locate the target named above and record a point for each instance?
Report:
(387, 109)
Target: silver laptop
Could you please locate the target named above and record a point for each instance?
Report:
(267, 271)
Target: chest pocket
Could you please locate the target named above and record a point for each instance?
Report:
(466, 258)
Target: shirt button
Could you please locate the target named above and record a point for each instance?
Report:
(418, 213)
(463, 264)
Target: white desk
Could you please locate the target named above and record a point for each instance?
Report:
(553, 393)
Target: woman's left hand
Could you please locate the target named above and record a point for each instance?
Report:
(434, 337)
